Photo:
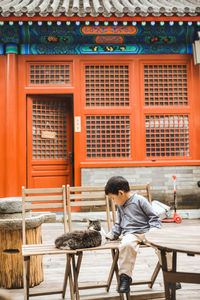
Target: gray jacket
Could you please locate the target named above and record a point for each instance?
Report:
(135, 216)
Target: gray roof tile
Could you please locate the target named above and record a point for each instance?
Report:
(96, 8)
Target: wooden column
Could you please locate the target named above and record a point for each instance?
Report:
(3, 124)
(11, 125)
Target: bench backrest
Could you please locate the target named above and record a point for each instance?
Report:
(91, 197)
(143, 190)
(43, 198)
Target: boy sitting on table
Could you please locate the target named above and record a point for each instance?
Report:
(135, 217)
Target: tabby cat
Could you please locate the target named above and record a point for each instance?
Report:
(78, 239)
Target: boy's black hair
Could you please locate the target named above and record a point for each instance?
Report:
(115, 184)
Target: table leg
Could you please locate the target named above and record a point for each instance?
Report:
(173, 284)
(165, 269)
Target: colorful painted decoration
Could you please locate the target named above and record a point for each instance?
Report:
(96, 30)
(53, 39)
(109, 40)
(72, 38)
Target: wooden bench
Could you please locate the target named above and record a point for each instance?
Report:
(46, 198)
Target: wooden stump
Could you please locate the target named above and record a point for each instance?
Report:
(11, 262)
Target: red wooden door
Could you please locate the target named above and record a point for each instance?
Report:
(49, 141)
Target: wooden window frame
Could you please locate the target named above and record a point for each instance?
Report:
(138, 111)
(105, 111)
(167, 110)
(45, 79)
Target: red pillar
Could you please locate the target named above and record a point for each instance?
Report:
(2, 124)
(11, 125)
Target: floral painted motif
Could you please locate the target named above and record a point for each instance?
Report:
(109, 40)
(97, 30)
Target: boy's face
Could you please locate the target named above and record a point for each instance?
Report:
(121, 198)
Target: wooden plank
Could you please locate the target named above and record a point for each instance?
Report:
(182, 277)
(106, 246)
(64, 208)
(88, 203)
(45, 251)
(150, 295)
(141, 282)
(92, 286)
(43, 205)
(36, 294)
(40, 249)
(143, 190)
(138, 187)
(43, 191)
(43, 198)
(86, 189)
(69, 208)
(87, 196)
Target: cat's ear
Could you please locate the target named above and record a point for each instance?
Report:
(91, 221)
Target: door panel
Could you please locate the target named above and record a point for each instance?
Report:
(49, 138)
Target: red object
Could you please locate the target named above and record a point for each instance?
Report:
(176, 218)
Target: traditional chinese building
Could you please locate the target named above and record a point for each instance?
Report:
(91, 89)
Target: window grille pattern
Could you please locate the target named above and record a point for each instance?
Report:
(167, 135)
(49, 116)
(108, 136)
(107, 85)
(165, 85)
(49, 74)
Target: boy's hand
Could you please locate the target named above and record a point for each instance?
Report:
(109, 236)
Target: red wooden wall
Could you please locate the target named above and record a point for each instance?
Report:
(15, 89)
(2, 125)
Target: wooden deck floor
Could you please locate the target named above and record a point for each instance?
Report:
(95, 267)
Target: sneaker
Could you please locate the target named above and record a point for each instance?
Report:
(124, 283)
(178, 286)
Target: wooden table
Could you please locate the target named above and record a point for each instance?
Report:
(170, 240)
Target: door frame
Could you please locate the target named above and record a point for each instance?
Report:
(29, 99)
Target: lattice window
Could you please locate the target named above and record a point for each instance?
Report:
(50, 117)
(167, 135)
(41, 74)
(107, 85)
(108, 136)
(165, 84)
